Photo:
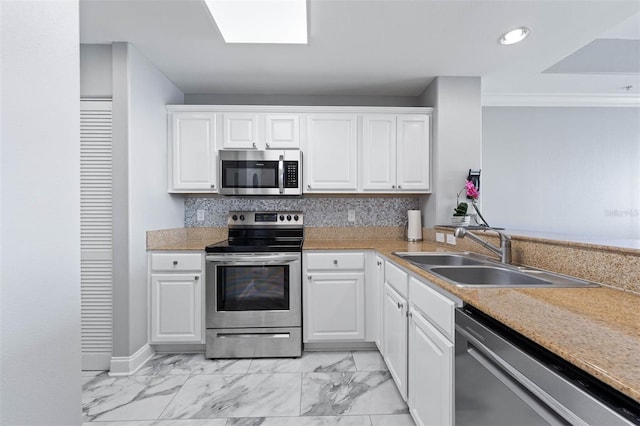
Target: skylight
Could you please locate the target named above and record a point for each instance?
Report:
(260, 21)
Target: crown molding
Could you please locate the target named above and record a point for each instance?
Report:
(559, 100)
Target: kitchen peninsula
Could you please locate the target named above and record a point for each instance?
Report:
(595, 329)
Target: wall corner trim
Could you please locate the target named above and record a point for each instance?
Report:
(128, 365)
(559, 100)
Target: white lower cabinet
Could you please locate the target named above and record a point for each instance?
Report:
(431, 354)
(333, 296)
(395, 337)
(430, 373)
(176, 298)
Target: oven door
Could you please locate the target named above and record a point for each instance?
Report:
(253, 290)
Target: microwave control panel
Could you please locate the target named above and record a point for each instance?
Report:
(290, 174)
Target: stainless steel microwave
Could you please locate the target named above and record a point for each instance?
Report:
(260, 172)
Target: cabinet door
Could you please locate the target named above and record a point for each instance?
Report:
(413, 152)
(283, 131)
(378, 156)
(379, 297)
(176, 308)
(330, 162)
(395, 337)
(334, 307)
(240, 131)
(192, 152)
(431, 357)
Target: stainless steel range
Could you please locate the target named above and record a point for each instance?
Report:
(254, 302)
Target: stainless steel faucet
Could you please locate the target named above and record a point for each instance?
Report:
(504, 251)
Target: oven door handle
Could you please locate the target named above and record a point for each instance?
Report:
(252, 259)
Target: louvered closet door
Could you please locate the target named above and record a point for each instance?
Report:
(96, 234)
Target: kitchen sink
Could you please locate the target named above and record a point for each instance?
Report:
(475, 271)
(440, 259)
(489, 276)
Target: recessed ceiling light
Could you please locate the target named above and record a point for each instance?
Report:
(260, 21)
(515, 36)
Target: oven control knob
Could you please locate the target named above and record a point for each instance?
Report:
(282, 217)
(296, 217)
(241, 217)
(234, 217)
(289, 217)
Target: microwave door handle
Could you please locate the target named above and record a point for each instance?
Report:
(281, 174)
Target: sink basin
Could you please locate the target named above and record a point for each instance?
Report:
(496, 276)
(440, 259)
(471, 270)
(489, 276)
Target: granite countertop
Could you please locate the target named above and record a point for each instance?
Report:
(596, 329)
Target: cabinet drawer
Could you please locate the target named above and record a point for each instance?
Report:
(438, 309)
(335, 261)
(176, 262)
(397, 278)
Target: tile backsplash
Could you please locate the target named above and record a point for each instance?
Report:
(318, 211)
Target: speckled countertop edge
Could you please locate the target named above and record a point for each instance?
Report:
(596, 329)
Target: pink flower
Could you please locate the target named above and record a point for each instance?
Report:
(472, 192)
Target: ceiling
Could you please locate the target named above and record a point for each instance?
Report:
(383, 47)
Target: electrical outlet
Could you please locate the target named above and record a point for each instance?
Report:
(451, 239)
(200, 215)
(440, 237)
(351, 215)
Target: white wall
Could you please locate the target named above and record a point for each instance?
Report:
(40, 219)
(563, 170)
(151, 206)
(456, 145)
(96, 71)
(141, 200)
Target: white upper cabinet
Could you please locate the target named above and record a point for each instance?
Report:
(378, 157)
(192, 152)
(413, 152)
(395, 153)
(329, 161)
(260, 131)
(239, 131)
(282, 131)
(345, 149)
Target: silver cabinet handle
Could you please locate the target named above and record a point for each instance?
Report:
(175, 263)
(268, 145)
(399, 186)
(196, 278)
(379, 263)
(409, 314)
(254, 144)
(393, 186)
(309, 276)
(399, 305)
(309, 186)
(335, 261)
(213, 186)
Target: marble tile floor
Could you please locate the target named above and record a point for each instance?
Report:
(320, 388)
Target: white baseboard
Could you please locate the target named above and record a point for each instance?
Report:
(127, 365)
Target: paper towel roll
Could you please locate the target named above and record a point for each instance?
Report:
(414, 228)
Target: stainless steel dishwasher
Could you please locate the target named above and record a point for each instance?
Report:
(503, 378)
